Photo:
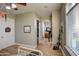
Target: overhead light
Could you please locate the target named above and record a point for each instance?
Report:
(8, 7)
(14, 6)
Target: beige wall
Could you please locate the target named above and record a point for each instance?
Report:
(63, 35)
(55, 26)
(29, 39)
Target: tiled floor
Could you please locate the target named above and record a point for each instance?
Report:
(44, 46)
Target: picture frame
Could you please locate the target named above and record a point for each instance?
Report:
(27, 29)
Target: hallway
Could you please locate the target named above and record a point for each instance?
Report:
(31, 24)
(47, 50)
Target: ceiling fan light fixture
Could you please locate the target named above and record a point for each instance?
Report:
(8, 7)
(14, 6)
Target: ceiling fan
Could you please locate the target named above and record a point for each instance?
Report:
(6, 6)
(15, 6)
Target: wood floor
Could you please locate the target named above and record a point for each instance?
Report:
(44, 46)
(47, 49)
(11, 50)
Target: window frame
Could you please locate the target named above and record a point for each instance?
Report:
(70, 50)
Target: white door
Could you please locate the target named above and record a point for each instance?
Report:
(2, 26)
(6, 38)
(10, 36)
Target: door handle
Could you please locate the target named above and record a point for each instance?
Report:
(2, 36)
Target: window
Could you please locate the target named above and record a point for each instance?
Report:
(72, 23)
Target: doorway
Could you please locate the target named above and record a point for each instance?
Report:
(47, 30)
(37, 31)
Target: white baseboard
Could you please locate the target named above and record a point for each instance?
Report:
(62, 51)
(71, 51)
(24, 45)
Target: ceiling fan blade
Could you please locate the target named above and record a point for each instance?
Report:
(15, 8)
(23, 4)
(19, 5)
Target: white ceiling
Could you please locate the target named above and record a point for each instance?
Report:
(42, 9)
